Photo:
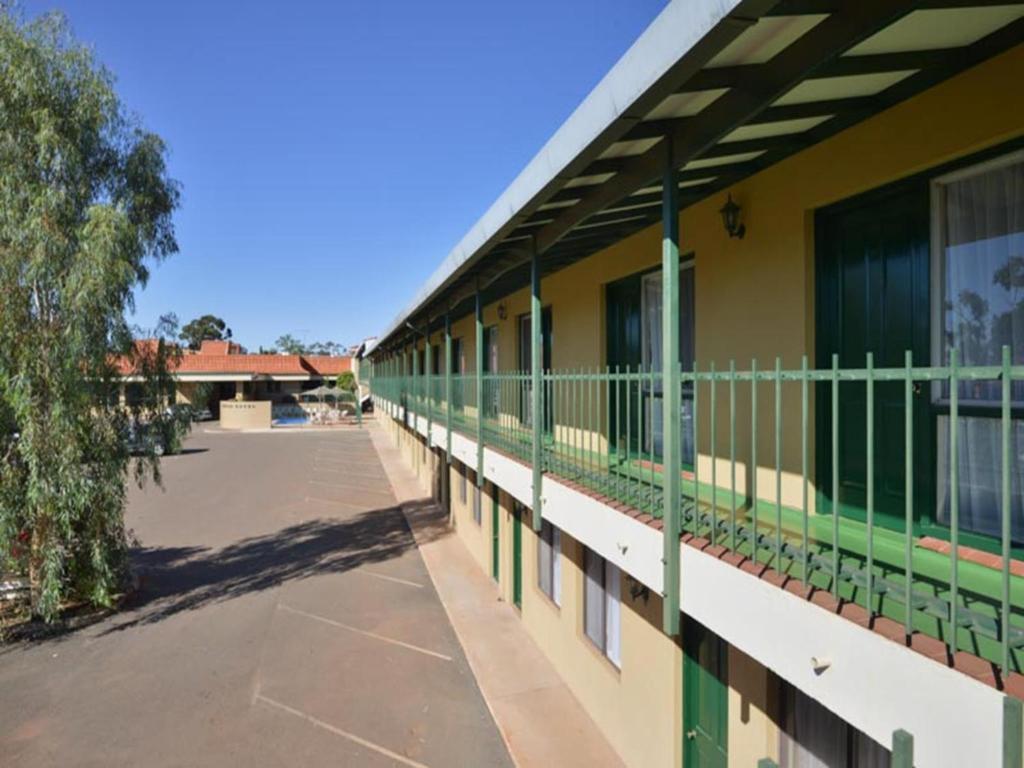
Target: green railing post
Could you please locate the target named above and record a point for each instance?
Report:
(1013, 727)
(908, 509)
(767, 762)
(671, 401)
(536, 360)
(479, 313)
(1005, 510)
(429, 378)
(954, 502)
(902, 749)
(403, 369)
(448, 386)
(414, 384)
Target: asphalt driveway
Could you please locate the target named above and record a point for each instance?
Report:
(285, 617)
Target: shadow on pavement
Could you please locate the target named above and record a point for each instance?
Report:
(176, 579)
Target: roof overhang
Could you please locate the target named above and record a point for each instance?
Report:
(721, 90)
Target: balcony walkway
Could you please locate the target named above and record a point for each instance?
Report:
(285, 617)
(633, 484)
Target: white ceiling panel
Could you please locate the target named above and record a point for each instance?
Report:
(627, 148)
(846, 87)
(768, 37)
(938, 28)
(712, 162)
(777, 128)
(684, 104)
(589, 181)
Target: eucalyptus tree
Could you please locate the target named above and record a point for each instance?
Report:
(85, 209)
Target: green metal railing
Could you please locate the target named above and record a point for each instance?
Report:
(602, 429)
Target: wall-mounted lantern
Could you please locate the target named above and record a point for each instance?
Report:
(502, 311)
(731, 219)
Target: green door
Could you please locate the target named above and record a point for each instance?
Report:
(517, 555)
(873, 296)
(705, 698)
(495, 538)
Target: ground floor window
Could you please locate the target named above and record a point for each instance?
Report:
(477, 502)
(811, 736)
(463, 471)
(549, 562)
(601, 607)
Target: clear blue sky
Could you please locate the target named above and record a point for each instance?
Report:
(332, 152)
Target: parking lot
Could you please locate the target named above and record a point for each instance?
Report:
(284, 616)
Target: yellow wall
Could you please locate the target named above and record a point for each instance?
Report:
(755, 296)
(638, 707)
(237, 414)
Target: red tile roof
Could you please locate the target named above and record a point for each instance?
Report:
(214, 347)
(225, 357)
(326, 365)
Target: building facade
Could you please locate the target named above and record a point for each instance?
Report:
(726, 390)
(222, 370)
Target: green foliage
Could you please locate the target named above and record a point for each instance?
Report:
(289, 345)
(324, 348)
(207, 327)
(85, 207)
(346, 381)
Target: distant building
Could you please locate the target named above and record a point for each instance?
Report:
(233, 374)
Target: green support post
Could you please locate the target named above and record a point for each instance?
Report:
(429, 378)
(403, 396)
(671, 403)
(479, 389)
(448, 386)
(536, 404)
(414, 385)
(902, 749)
(767, 762)
(1013, 726)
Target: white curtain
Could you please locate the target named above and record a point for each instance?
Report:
(652, 338)
(556, 567)
(983, 303)
(612, 610)
(814, 737)
(544, 558)
(593, 597)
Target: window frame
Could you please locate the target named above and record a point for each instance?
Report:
(477, 502)
(938, 262)
(610, 644)
(938, 401)
(549, 539)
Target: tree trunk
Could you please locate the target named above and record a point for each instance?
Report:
(35, 568)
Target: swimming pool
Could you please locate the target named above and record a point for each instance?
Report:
(290, 421)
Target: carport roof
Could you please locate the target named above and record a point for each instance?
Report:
(725, 88)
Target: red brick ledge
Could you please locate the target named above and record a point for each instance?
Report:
(970, 554)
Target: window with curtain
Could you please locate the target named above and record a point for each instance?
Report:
(811, 736)
(601, 608)
(549, 562)
(651, 341)
(980, 253)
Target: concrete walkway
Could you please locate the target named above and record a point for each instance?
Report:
(543, 723)
(285, 618)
